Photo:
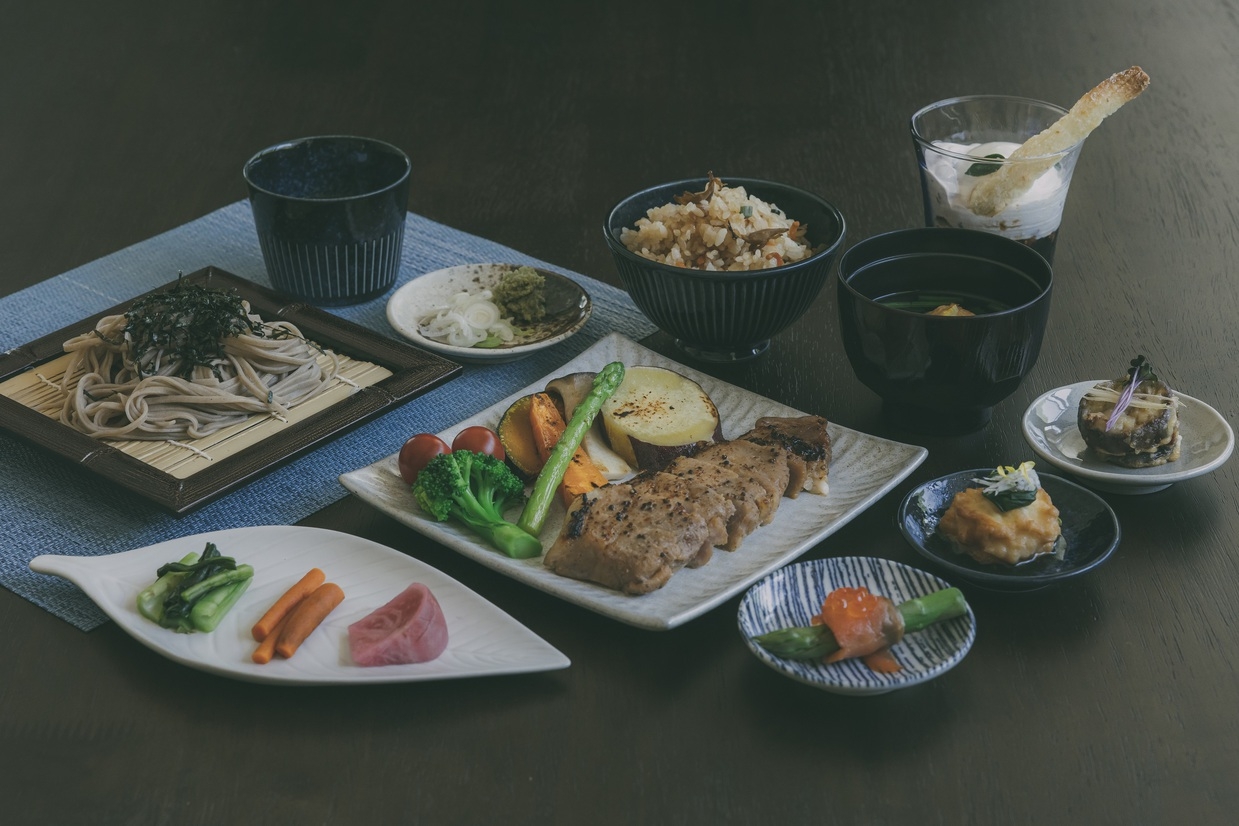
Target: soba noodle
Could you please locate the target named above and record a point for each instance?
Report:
(111, 397)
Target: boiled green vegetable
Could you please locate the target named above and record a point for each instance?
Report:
(217, 580)
(533, 517)
(210, 609)
(475, 489)
(216, 562)
(195, 593)
(151, 600)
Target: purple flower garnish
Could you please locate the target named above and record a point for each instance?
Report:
(1141, 370)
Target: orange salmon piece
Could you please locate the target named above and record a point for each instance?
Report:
(864, 624)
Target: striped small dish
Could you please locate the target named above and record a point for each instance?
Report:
(791, 596)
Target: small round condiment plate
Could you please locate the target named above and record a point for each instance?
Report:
(1051, 431)
(568, 308)
(792, 595)
(1090, 530)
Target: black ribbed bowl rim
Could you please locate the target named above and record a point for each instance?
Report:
(965, 243)
(373, 143)
(756, 186)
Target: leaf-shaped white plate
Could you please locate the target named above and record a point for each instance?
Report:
(1051, 431)
(790, 597)
(863, 469)
(482, 640)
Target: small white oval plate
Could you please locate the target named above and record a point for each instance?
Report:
(568, 308)
(791, 596)
(482, 640)
(1051, 431)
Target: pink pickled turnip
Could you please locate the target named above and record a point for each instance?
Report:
(409, 629)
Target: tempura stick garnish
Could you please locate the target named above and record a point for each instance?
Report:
(996, 191)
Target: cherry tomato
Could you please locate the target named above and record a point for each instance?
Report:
(417, 452)
(479, 440)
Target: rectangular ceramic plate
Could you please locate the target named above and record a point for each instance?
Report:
(482, 640)
(863, 468)
(413, 372)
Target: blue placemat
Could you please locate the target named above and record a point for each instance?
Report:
(53, 507)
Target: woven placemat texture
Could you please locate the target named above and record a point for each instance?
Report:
(48, 506)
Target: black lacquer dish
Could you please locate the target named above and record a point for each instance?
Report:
(1090, 530)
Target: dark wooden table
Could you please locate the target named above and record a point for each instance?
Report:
(1112, 698)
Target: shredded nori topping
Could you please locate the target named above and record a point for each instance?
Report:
(189, 324)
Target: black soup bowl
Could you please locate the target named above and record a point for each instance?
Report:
(726, 315)
(942, 374)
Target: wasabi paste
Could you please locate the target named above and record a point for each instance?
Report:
(521, 295)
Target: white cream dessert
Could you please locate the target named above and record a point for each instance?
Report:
(1034, 214)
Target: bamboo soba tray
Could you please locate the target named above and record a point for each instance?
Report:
(375, 373)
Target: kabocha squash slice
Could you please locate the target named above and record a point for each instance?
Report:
(516, 436)
(547, 425)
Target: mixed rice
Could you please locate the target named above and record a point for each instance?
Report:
(721, 228)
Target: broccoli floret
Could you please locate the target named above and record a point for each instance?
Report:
(476, 488)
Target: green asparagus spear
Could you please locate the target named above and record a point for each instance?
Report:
(922, 612)
(809, 642)
(816, 641)
(539, 504)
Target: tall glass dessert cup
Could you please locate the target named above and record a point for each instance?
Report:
(963, 146)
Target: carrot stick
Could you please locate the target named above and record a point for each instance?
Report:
(304, 587)
(307, 616)
(266, 649)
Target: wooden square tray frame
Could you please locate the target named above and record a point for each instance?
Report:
(413, 373)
